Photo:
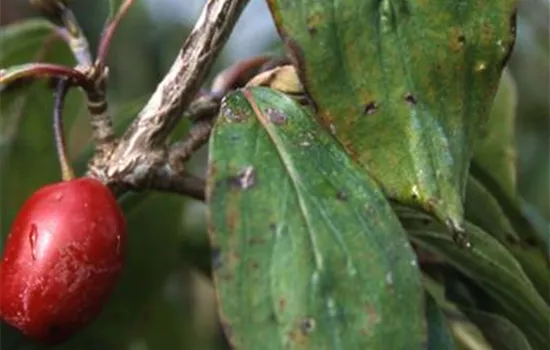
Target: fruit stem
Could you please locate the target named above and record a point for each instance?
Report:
(67, 172)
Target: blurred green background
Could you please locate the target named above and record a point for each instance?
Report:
(165, 299)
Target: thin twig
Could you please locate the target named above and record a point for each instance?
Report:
(203, 107)
(108, 32)
(197, 137)
(184, 184)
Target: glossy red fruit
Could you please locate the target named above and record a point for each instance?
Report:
(62, 259)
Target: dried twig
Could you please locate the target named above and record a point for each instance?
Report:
(140, 159)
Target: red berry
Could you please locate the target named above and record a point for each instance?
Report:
(62, 259)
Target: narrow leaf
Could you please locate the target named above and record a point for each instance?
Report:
(483, 210)
(495, 151)
(500, 332)
(493, 268)
(439, 335)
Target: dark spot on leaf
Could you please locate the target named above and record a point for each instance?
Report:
(282, 304)
(275, 116)
(254, 265)
(371, 211)
(216, 258)
(373, 317)
(256, 241)
(414, 197)
(273, 226)
(245, 179)
(342, 196)
(307, 325)
(426, 221)
(462, 39)
(312, 22)
(461, 240)
(230, 115)
(410, 99)
(371, 108)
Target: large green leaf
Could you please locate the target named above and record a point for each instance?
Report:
(404, 85)
(493, 268)
(309, 253)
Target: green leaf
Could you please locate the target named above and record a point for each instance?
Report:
(466, 335)
(23, 41)
(495, 329)
(495, 151)
(499, 332)
(483, 210)
(27, 154)
(529, 232)
(309, 252)
(439, 335)
(538, 222)
(404, 85)
(493, 268)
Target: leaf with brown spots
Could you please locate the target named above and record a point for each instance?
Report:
(323, 261)
(405, 85)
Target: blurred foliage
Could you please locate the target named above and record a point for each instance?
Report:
(166, 299)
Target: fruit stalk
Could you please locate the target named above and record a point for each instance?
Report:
(67, 172)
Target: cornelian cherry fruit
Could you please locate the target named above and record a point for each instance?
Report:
(62, 259)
